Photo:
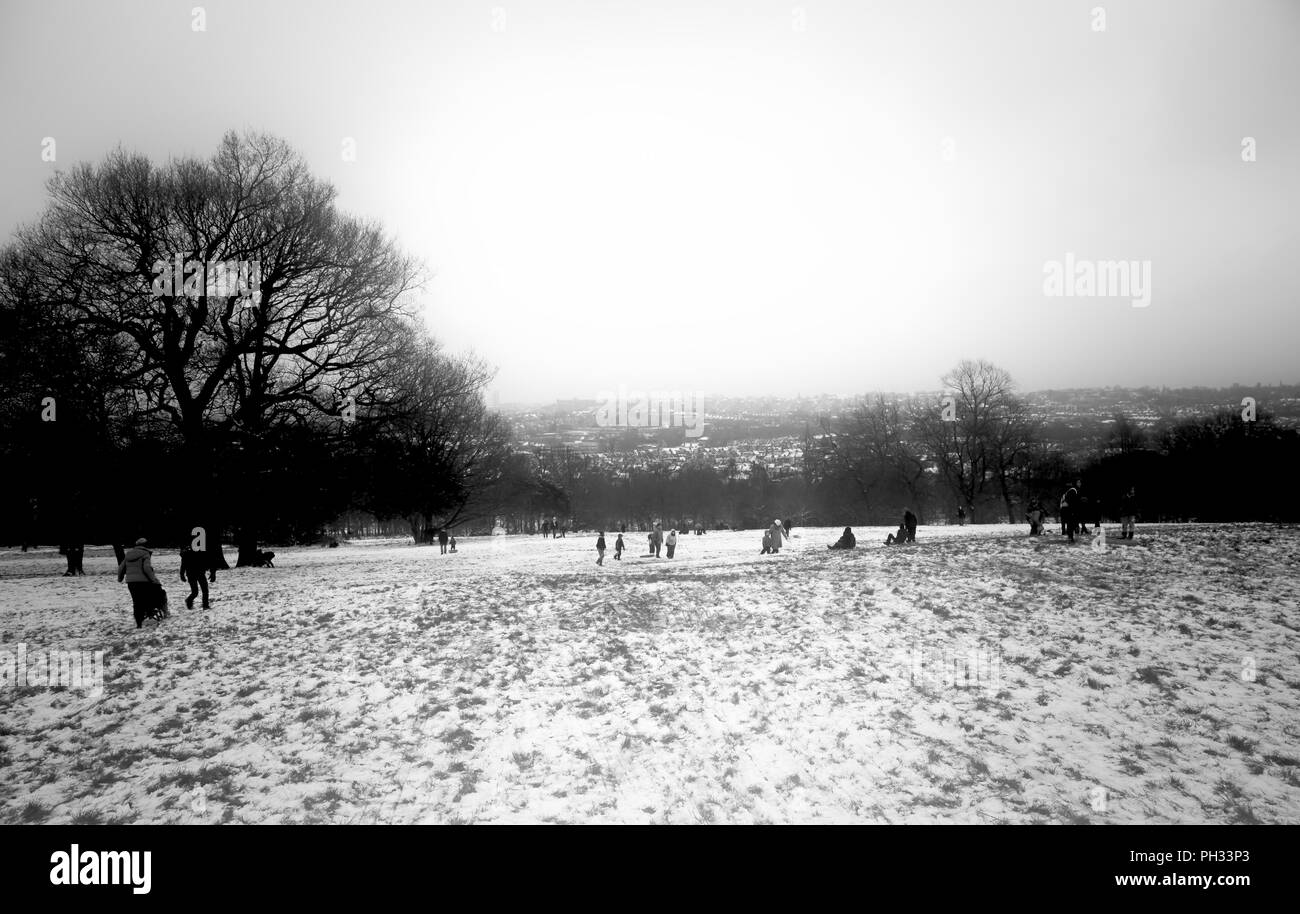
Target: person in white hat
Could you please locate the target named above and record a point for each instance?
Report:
(776, 531)
(137, 570)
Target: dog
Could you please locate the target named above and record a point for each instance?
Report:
(263, 559)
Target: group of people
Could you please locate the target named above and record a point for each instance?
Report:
(774, 536)
(148, 598)
(1076, 510)
(656, 542)
(445, 539)
(554, 528)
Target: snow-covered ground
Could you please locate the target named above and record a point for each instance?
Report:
(979, 676)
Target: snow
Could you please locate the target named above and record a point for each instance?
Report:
(516, 681)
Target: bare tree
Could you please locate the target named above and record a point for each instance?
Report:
(978, 432)
(220, 364)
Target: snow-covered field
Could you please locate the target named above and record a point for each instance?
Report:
(979, 676)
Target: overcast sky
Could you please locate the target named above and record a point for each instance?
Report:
(741, 198)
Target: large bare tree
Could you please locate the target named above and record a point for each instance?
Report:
(218, 364)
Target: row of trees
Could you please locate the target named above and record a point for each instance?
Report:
(977, 448)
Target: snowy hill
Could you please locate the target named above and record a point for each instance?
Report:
(979, 676)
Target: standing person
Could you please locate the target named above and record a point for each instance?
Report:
(137, 570)
(767, 542)
(193, 566)
(658, 538)
(1127, 513)
(785, 525)
(650, 545)
(671, 542)
(600, 548)
(909, 524)
(451, 544)
(442, 540)
(555, 527)
(961, 516)
(618, 548)
(777, 532)
(1070, 506)
(546, 528)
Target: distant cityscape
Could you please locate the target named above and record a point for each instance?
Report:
(772, 431)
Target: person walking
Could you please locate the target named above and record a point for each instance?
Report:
(442, 540)
(618, 548)
(777, 532)
(600, 548)
(194, 566)
(671, 542)
(137, 570)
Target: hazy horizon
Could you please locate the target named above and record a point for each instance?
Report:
(752, 199)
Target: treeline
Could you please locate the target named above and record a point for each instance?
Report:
(977, 448)
(211, 345)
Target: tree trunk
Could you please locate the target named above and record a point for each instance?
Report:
(247, 542)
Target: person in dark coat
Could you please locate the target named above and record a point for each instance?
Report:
(618, 548)
(194, 565)
(909, 525)
(1127, 513)
(137, 570)
(1071, 506)
(600, 548)
(961, 516)
(897, 539)
(442, 540)
(846, 541)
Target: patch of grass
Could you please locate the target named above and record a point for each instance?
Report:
(460, 739)
(1241, 744)
(34, 812)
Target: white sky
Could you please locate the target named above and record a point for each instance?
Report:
(700, 196)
